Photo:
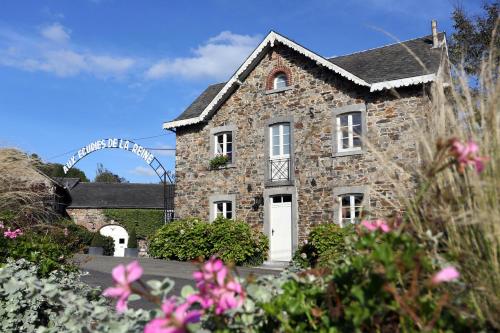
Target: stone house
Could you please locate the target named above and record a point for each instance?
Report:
(299, 131)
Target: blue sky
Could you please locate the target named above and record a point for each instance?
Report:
(72, 72)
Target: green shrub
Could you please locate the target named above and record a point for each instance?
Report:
(74, 237)
(218, 162)
(232, 241)
(145, 221)
(382, 286)
(235, 241)
(325, 243)
(107, 243)
(132, 239)
(57, 303)
(38, 249)
(181, 240)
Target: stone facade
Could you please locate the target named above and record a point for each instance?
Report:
(308, 103)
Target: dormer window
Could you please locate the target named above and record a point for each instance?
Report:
(280, 81)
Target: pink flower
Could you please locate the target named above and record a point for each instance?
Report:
(447, 274)
(466, 154)
(123, 277)
(216, 288)
(12, 234)
(176, 318)
(373, 225)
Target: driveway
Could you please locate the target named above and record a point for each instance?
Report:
(99, 272)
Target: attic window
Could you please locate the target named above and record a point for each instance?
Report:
(280, 81)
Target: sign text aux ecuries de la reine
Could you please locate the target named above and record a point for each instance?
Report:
(139, 150)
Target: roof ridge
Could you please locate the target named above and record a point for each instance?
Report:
(380, 47)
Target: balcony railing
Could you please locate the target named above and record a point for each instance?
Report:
(279, 169)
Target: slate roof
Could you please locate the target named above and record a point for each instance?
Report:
(120, 195)
(386, 63)
(201, 102)
(393, 62)
(66, 182)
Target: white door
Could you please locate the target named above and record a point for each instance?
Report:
(281, 228)
(119, 235)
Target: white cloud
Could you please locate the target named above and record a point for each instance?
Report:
(143, 171)
(58, 56)
(217, 59)
(56, 33)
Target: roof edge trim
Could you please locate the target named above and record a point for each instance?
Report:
(402, 82)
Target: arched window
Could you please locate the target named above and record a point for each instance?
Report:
(280, 81)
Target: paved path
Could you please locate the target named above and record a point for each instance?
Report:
(99, 272)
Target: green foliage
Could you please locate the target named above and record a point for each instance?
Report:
(56, 169)
(232, 241)
(236, 241)
(58, 303)
(38, 249)
(382, 285)
(132, 239)
(107, 243)
(104, 175)
(473, 37)
(181, 240)
(326, 243)
(66, 233)
(145, 221)
(218, 162)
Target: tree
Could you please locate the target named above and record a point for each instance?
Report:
(104, 175)
(56, 169)
(474, 37)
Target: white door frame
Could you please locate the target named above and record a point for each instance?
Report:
(117, 232)
(281, 190)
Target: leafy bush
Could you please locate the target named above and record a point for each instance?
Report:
(383, 285)
(38, 249)
(191, 239)
(145, 221)
(218, 162)
(57, 303)
(132, 239)
(74, 237)
(236, 241)
(107, 243)
(326, 243)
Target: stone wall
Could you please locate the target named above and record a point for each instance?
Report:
(94, 219)
(314, 93)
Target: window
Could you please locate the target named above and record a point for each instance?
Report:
(350, 208)
(280, 140)
(280, 81)
(349, 131)
(224, 145)
(223, 209)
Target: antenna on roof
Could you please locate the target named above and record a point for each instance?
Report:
(435, 42)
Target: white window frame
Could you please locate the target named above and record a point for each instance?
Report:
(352, 207)
(224, 208)
(278, 77)
(217, 198)
(350, 132)
(224, 144)
(281, 154)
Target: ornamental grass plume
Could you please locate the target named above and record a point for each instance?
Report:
(451, 205)
(123, 277)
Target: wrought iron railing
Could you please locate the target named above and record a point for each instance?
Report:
(279, 169)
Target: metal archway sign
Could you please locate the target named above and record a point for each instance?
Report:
(128, 145)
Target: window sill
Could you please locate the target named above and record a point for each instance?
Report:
(277, 183)
(274, 91)
(227, 166)
(348, 153)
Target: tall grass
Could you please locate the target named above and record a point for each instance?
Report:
(460, 212)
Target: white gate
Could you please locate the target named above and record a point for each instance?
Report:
(119, 235)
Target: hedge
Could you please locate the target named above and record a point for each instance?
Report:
(145, 221)
(190, 239)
